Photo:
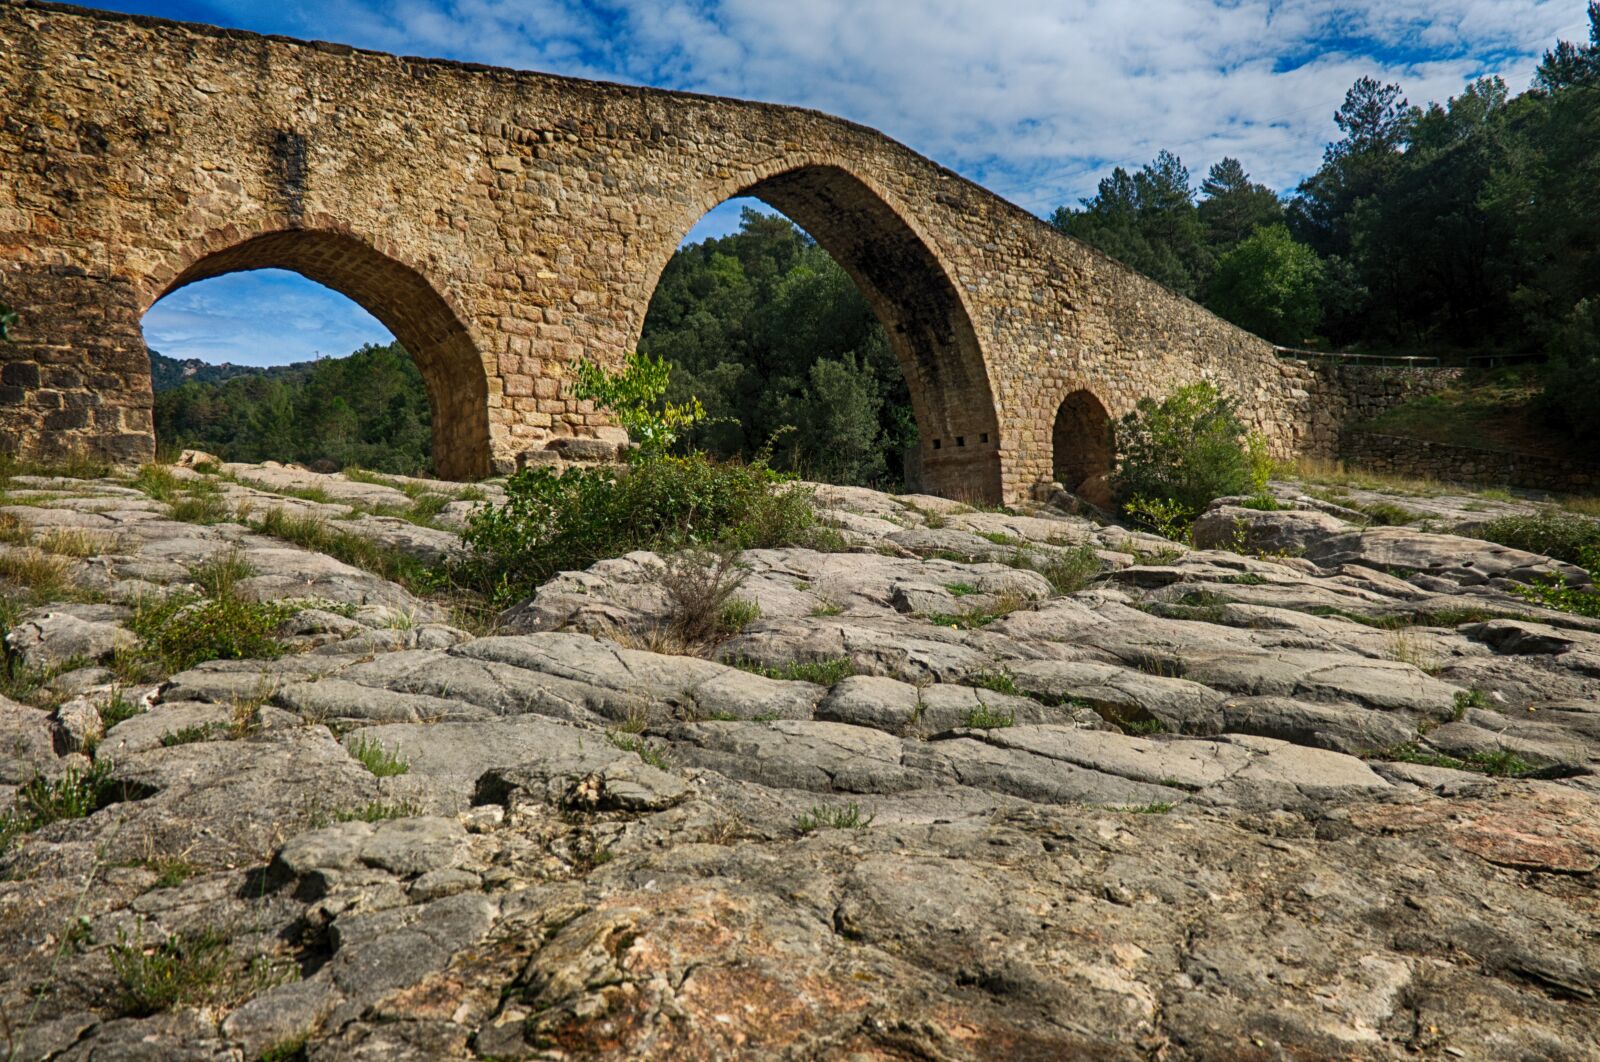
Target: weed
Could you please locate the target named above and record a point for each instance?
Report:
(827, 608)
(220, 575)
(372, 811)
(117, 709)
(1465, 699)
(290, 1050)
(1140, 727)
(377, 759)
(71, 542)
(840, 817)
(1004, 604)
(822, 672)
(1072, 570)
(189, 735)
(75, 794)
(1387, 514)
(960, 589)
(158, 482)
(200, 507)
(637, 745)
(179, 631)
(738, 614)
(1500, 763)
(1408, 650)
(995, 681)
(1146, 809)
(985, 718)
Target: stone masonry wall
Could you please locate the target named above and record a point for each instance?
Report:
(505, 224)
(1399, 456)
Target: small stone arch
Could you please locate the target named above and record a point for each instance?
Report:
(913, 295)
(1083, 447)
(398, 295)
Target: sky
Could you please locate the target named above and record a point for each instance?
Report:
(1034, 99)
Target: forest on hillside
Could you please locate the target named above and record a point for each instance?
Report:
(1471, 225)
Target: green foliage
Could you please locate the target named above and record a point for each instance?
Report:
(566, 521)
(822, 672)
(1500, 763)
(1555, 592)
(180, 970)
(8, 321)
(189, 735)
(985, 718)
(1270, 284)
(640, 747)
(75, 794)
(369, 409)
(1564, 536)
(1165, 517)
(179, 631)
(1182, 452)
(770, 332)
(1572, 383)
(635, 397)
(1071, 570)
(998, 681)
(840, 817)
(380, 761)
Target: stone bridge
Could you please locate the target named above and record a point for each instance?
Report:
(504, 224)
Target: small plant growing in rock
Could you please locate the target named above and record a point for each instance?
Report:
(8, 321)
(700, 588)
(1072, 570)
(380, 761)
(985, 718)
(639, 746)
(189, 735)
(822, 672)
(997, 681)
(838, 817)
(1468, 699)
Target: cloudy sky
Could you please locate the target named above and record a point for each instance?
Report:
(1036, 99)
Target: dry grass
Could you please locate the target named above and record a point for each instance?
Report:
(74, 542)
(44, 574)
(1408, 649)
(1335, 473)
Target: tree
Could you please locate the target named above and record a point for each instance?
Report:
(1270, 284)
(1572, 387)
(1571, 64)
(1232, 206)
(1147, 221)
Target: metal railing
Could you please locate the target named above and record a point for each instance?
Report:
(1398, 361)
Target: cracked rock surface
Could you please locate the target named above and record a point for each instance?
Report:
(926, 805)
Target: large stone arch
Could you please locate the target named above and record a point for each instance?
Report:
(394, 292)
(911, 291)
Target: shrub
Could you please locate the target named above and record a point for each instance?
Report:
(1186, 450)
(636, 396)
(180, 631)
(823, 817)
(1563, 536)
(1071, 570)
(559, 522)
(985, 718)
(700, 588)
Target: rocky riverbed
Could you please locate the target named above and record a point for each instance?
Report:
(1317, 790)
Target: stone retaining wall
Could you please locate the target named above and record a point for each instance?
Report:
(1401, 456)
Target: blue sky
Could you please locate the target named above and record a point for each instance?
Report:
(1035, 99)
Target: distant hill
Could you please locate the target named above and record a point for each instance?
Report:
(169, 373)
(369, 409)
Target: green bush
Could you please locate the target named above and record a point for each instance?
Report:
(1563, 536)
(1186, 450)
(179, 631)
(562, 522)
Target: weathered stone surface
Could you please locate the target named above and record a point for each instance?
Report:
(55, 636)
(628, 853)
